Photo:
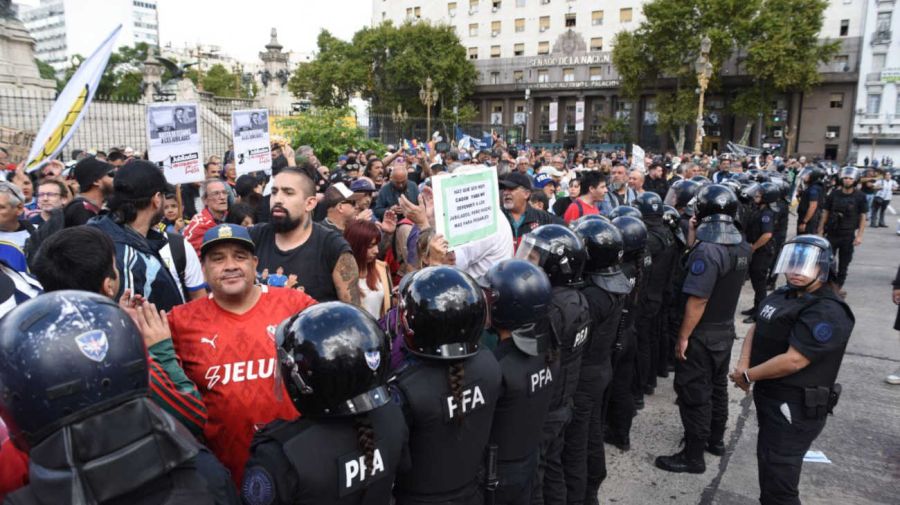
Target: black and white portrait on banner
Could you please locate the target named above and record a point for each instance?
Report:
(250, 130)
(174, 141)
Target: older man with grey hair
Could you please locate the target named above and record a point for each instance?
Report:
(14, 231)
(214, 194)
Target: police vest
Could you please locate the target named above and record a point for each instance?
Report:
(843, 215)
(781, 222)
(662, 246)
(605, 326)
(324, 461)
(754, 226)
(777, 317)
(803, 206)
(571, 327)
(448, 436)
(522, 406)
(718, 318)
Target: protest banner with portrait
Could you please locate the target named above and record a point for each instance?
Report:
(467, 205)
(174, 141)
(252, 150)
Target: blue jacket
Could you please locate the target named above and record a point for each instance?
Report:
(388, 196)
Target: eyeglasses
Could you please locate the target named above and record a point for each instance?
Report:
(216, 194)
(48, 195)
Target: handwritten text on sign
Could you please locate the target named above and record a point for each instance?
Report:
(466, 205)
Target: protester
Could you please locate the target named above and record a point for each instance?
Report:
(374, 282)
(388, 196)
(515, 190)
(591, 197)
(214, 194)
(636, 182)
(52, 194)
(95, 183)
(14, 230)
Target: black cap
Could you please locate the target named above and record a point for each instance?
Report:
(515, 180)
(140, 179)
(90, 170)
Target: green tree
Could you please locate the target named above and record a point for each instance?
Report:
(219, 81)
(333, 77)
(46, 71)
(122, 78)
(329, 130)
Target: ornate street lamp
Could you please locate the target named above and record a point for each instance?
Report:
(429, 96)
(704, 73)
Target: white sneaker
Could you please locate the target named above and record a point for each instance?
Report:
(893, 378)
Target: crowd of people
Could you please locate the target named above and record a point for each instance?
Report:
(307, 336)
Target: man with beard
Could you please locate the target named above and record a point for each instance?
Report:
(135, 208)
(95, 180)
(619, 191)
(319, 257)
(515, 190)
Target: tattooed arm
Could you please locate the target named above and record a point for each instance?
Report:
(346, 279)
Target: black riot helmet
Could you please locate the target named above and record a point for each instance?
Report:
(702, 180)
(334, 360)
(520, 295)
(587, 217)
(806, 255)
(649, 203)
(444, 312)
(558, 251)
(748, 192)
(849, 173)
(681, 192)
(605, 247)
(715, 207)
(771, 192)
(673, 219)
(66, 356)
(812, 174)
(634, 236)
(759, 175)
(625, 210)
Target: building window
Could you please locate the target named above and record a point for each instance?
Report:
(570, 20)
(878, 62)
(832, 132)
(543, 47)
(451, 9)
(596, 73)
(496, 5)
(417, 12)
(473, 29)
(495, 28)
(883, 22)
(568, 74)
(543, 75)
(596, 43)
(520, 25)
(625, 15)
(597, 18)
(873, 103)
(473, 6)
(544, 23)
(495, 77)
(409, 12)
(518, 75)
(842, 63)
(495, 51)
(473, 53)
(837, 101)
(845, 27)
(519, 50)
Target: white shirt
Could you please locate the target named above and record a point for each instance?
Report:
(372, 299)
(476, 258)
(885, 188)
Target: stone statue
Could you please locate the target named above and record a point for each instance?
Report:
(6, 10)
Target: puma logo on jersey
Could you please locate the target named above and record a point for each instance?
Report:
(540, 379)
(356, 469)
(469, 400)
(210, 341)
(581, 336)
(767, 312)
(240, 371)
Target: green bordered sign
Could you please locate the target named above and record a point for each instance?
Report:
(466, 205)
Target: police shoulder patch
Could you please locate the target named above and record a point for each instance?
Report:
(698, 266)
(766, 218)
(258, 487)
(823, 332)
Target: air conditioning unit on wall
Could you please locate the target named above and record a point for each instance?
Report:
(830, 135)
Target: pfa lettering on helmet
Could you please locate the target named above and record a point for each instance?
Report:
(240, 371)
(93, 344)
(470, 400)
(539, 380)
(354, 474)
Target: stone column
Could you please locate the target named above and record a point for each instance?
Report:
(17, 66)
(275, 75)
(151, 71)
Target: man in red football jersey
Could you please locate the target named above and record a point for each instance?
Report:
(226, 343)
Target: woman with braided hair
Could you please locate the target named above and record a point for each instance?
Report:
(352, 439)
(448, 387)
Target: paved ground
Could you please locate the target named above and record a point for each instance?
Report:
(862, 439)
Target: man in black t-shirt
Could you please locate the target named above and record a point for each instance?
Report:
(320, 258)
(843, 220)
(95, 180)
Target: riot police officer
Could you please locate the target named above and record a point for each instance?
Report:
(844, 220)
(716, 267)
(352, 438)
(606, 289)
(661, 247)
(760, 229)
(448, 388)
(679, 196)
(621, 401)
(625, 210)
(74, 381)
(792, 357)
(782, 215)
(811, 198)
(562, 256)
(520, 296)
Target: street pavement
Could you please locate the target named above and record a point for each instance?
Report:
(862, 438)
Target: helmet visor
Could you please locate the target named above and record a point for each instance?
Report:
(805, 260)
(671, 198)
(533, 250)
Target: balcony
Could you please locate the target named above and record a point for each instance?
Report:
(881, 37)
(873, 77)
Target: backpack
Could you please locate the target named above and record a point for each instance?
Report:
(179, 258)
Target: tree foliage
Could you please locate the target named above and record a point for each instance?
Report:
(122, 78)
(329, 130)
(388, 64)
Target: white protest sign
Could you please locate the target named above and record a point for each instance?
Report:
(554, 116)
(467, 205)
(174, 139)
(579, 116)
(252, 151)
(637, 154)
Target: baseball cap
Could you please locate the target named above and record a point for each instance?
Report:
(337, 193)
(515, 180)
(226, 233)
(542, 180)
(140, 179)
(362, 185)
(90, 170)
(551, 171)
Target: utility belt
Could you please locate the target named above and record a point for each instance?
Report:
(817, 401)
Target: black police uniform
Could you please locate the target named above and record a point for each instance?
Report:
(570, 324)
(761, 222)
(316, 461)
(716, 272)
(814, 193)
(661, 245)
(447, 437)
(525, 395)
(791, 410)
(779, 235)
(844, 211)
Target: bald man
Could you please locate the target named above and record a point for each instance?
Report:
(636, 181)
